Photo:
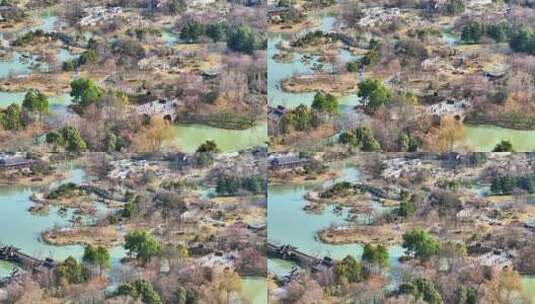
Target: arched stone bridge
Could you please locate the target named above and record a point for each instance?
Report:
(165, 108)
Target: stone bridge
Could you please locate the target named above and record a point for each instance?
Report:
(165, 108)
(454, 108)
(289, 252)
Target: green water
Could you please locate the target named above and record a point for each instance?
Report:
(449, 37)
(58, 105)
(279, 267)
(7, 98)
(254, 289)
(47, 22)
(528, 288)
(189, 137)
(483, 138)
(22, 229)
(285, 209)
(5, 269)
(278, 71)
(169, 37)
(13, 64)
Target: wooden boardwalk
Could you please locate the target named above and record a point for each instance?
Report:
(13, 255)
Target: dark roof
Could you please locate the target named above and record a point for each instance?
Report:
(277, 113)
(287, 159)
(272, 10)
(11, 161)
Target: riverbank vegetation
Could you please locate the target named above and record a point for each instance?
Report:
(209, 65)
(432, 218)
(416, 66)
(158, 232)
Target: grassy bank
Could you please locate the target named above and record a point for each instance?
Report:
(515, 121)
(220, 120)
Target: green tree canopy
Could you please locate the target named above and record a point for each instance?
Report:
(503, 146)
(69, 272)
(523, 40)
(209, 146)
(375, 255)
(11, 118)
(218, 31)
(350, 269)
(454, 7)
(97, 256)
(140, 289)
(244, 39)
(35, 101)
(472, 32)
(142, 244)
(422, 288)
(73, 140)
(374, 93)
(85, 92)
(191, 31)
(177, 6)
(325, 103)
(366, 139)
(420, 244)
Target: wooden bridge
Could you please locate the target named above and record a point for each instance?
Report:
(13, 255)
(380, 193)
(105, 194)
(289, 252)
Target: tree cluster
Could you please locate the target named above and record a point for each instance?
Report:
(420, 244)
(232, 185)
(360, 137)
(507, 184)
(374, 93)
(67, 137)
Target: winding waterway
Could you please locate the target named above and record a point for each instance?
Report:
(299, 65)
(288, 223)
(23, 63)
(22, 229)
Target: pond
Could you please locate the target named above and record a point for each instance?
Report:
(22, 229)
(18, 64)
(5, 269)
(254, 289)
(170, 37)
(23, 63)
(483, 138)
(449, 37)
(285, 207)
(188, 137)
(7, 98)
(48, 21)
(58, 105)
(299, 64)
(528, 287)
